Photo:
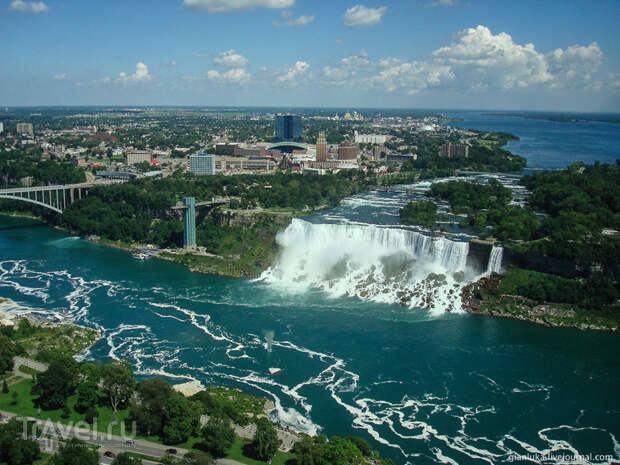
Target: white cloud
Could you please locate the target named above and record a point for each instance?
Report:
(232, 76)
(224, 6)
(141, 74)
(28, 7)
(360, 15)
(172, 64)
(300, 68)
(482, 59)
(303, 20)
(230, 59)
(60, 77)
(444, 3)
(477, 60)
(575, 65)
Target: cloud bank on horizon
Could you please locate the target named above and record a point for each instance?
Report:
(470, 63)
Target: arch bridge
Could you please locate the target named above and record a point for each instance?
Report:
(55, 198)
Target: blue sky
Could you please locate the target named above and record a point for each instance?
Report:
(551, 55)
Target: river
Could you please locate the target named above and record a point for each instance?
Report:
(423, 385)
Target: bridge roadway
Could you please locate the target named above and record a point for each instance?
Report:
(55, 197)
(209, 203)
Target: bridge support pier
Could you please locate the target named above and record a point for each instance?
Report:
(189, 223)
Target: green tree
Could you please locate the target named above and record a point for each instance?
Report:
(149, 411)
(87, 396)
(5, 387)
(118, 383)
(75, 452)
(181, 419)
(91, 415)
(197, 458)
(14, 449)
(8, 350)
(419, 213)
(218, 436)
(266, 440)
(53, 387)
(125, 459)
(362, 444)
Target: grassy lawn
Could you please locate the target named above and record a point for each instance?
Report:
(25, 406)
(245, 403)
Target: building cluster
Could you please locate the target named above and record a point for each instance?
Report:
(116, 144)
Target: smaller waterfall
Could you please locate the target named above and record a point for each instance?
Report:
(495, 260)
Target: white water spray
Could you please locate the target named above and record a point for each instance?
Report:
(387, 265)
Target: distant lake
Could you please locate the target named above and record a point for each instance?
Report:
(549, 144)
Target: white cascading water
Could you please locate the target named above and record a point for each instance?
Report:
(386, 265)
(495, 260)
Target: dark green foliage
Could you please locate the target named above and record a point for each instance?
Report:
(87, 396)
(181, 419)
(513, 222)
(75, 452)
(319, 451)
(197, 458)
(5, 387)
(14, 449)
(364, 446)
(419, 213)
(53, 387)
(594, 293)
(125, 459)
(8, 350)
(218, 436)
(266, 440)
(118, 383)
(581, 201)
(16, 165)
(140, 210)
(149, 412)
(91, 414)
(466, 196)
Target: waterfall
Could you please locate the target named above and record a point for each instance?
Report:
(495, 259)
(386, 265)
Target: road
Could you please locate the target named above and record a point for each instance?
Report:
(50, 432)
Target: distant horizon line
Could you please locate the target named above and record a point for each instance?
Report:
(347, 108)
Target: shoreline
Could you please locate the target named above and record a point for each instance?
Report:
(549, 314)
(516, 307)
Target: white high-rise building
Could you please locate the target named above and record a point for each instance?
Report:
(202, 163)
(1, 128)
(370, 138)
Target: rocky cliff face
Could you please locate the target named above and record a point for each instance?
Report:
(249, 218)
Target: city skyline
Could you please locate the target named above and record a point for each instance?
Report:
(287, 53)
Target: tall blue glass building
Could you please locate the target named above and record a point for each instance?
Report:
(288, 127)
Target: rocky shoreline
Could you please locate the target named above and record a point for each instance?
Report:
(521, 308)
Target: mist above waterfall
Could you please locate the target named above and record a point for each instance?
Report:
(381, 264)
